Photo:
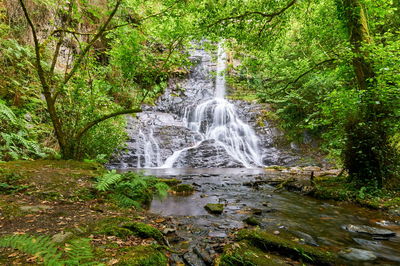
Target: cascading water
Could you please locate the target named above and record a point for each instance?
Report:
(216, 119)
(194, 126)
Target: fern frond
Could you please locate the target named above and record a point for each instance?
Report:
(79, 252)
(41, 246)
(105, 181)
(125, 201)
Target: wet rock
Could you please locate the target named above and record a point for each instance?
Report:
(176, 260)
(191, 259)
(368, 243)
(35, 208)
(395, 212)
(217, 234)
(256, 211)
(168, 231)
(364, 229)
(306, 238)
(61, 237)
(274, 243)
(252, 221)
(355, 254)
(204, 255)
(214, 208)
(208, 154)
(183, 189)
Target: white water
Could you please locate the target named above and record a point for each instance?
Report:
(217, 119)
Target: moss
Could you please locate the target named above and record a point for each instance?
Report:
(144, 256)
(252, 221)
(9, 210)
(112, 227)
(183, 189)
(242, 253)
(214, 208)
(273, 243)
(169, 181)
(144, 230)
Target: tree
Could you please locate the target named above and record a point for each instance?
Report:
(52, 88)
(368, 155)
(89, 66)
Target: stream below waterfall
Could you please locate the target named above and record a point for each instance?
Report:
(312, 221)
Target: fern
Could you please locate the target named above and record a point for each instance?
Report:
(77, 252)
(104, 182)
(41, 246)
(131, 189)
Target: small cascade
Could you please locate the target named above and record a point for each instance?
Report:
(148, 151)
(216, 119)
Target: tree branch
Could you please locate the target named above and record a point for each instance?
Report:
(90, 44)
(303, 74)
(60, 41)
(259, 13)
(103, 118)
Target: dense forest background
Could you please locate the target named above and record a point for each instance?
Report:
(329, 69)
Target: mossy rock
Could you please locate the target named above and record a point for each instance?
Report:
(144, 230)
(183, 189)
(144, 256)
(214, 208)
(169, 181)
(243, 253)
(112, 227)
(272, 243)
(252, 221)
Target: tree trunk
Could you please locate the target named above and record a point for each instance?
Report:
(367, 154)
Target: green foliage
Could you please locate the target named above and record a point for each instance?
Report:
(77, 252)
(131, 189)
(15, 142)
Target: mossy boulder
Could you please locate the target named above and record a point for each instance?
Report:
(214, 208)
(169, 181)
(182, 189)
(144, 230)
(243, 253)
(273, 243)
(252, 221)
(112, 227)
(144, 256)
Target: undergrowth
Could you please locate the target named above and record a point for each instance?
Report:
(46, 252)
(131, 189)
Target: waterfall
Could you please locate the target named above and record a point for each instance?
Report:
(217, 119)
(221, 67)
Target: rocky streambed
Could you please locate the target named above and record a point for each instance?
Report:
(248, 199)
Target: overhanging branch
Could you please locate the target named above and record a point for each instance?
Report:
(103, 118)
(257, 13)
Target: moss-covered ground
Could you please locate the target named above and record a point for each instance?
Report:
(47, 197)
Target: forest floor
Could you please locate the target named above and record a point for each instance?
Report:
(57, 199)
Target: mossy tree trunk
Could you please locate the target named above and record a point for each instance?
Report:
(368, 155)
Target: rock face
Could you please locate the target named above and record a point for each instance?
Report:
(207, 154)
(189, 127)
